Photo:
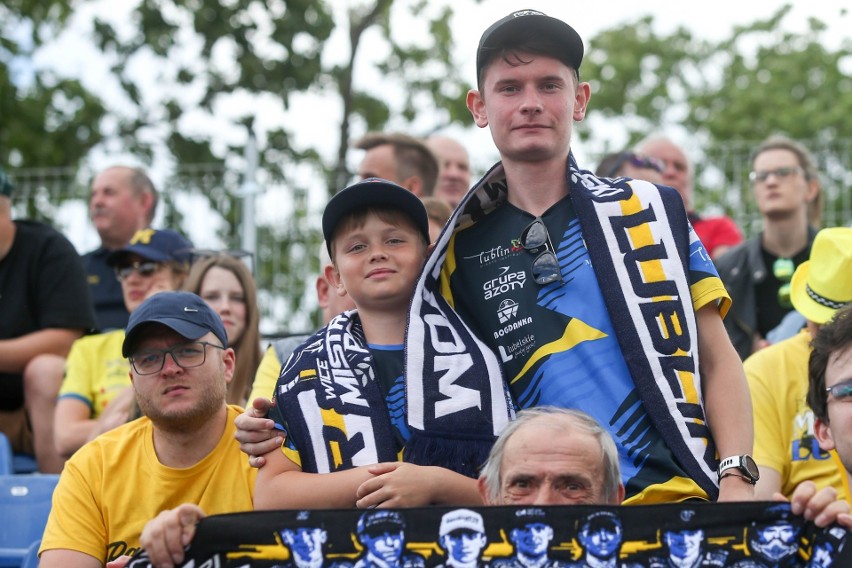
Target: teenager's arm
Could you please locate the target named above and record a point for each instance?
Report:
(398, 484)
(281, 484)
(726, 398)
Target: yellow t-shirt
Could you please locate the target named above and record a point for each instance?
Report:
(783, 423)
(115, 484)
(266, 376)
(95, 371)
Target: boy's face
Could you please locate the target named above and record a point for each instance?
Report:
(529, 107)
(378, 263)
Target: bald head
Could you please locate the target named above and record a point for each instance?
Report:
(678, 169)
(454, 180)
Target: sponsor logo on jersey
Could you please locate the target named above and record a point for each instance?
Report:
(506, 282)
(507, 310)
(517, 348)
(494, 254)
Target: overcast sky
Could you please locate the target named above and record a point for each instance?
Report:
(313, 120)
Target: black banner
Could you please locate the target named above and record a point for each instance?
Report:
(740, 535)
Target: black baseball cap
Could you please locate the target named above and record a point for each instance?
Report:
(373, 192)
(184, 312)
(524, 25)
(156, 245)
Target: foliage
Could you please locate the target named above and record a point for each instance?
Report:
(729, 95)
(45, 120)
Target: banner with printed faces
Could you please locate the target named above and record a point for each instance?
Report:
(740, 535)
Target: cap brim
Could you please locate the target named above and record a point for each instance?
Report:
(373, 193)
(534, 26)
(187, 329)
(148, 253)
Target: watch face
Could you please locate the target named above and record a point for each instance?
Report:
(751, 467)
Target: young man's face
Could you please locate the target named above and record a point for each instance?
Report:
(385, 546)
(378, 263)
(837, 433)
(602, 541)
(532, 539)
(463, 546)
(529, 107)
(785, 190)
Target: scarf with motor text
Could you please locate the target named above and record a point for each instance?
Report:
(638, 238)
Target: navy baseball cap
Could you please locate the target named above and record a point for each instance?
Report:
(377, 521)
(524, 25)
(156, 245)
(184, 312)
(373, 192)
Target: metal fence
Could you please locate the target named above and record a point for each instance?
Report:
(203, 202)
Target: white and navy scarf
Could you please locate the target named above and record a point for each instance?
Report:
(638, 238)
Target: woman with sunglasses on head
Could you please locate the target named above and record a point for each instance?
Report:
(227, 285)
(96, 395)
(757, 273)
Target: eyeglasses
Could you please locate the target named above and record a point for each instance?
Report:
(783, 269)
(841, 391)
(145, 269)
(636, 160)
(545, 267)
(779, 173)
(185, 355)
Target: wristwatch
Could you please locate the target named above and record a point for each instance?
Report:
(742, 466)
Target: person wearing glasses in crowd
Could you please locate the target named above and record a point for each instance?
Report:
(717, 233)
(785, 447)
(96, 394)
(830, 392)
(181, 451)
(631, 165)
(578, 291)
(757, 272)
(226, 283)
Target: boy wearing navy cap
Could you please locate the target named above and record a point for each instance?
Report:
(340, 397)
(181, 451)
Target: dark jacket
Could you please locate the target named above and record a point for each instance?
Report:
(740, 269)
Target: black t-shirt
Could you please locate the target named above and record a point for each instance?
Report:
(769, 311)
(42, 285)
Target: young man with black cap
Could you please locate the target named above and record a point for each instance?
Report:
(181, 450)
(587, 293)
(340, 397)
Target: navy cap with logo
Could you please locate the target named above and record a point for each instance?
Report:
(526, 25)
(184, 312)
(156, 245)
(529, 516)
(373, 192)
(374, 522)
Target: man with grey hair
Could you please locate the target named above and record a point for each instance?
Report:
(552, 456)
(399, 158)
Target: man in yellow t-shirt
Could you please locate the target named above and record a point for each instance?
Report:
(181, 450)
(785, 448)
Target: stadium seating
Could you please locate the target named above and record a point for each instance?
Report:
(25, 502)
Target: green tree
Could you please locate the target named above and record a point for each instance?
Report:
(729, 95)
(45, 120)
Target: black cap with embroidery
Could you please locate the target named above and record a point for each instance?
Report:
(523, 25)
